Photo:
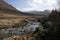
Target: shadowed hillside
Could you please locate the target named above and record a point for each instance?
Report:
(55, 19)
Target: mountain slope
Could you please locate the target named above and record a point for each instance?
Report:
(5, 5)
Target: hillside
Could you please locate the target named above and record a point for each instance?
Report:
(5, 5)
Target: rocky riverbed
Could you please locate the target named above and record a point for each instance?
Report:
(8, 32)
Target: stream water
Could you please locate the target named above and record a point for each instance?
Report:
(6, 32)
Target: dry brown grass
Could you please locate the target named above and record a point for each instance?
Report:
(25, 36)
(7, 19)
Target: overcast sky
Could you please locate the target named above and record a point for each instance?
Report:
(37, 5)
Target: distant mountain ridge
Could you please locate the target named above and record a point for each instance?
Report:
(42, 13)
